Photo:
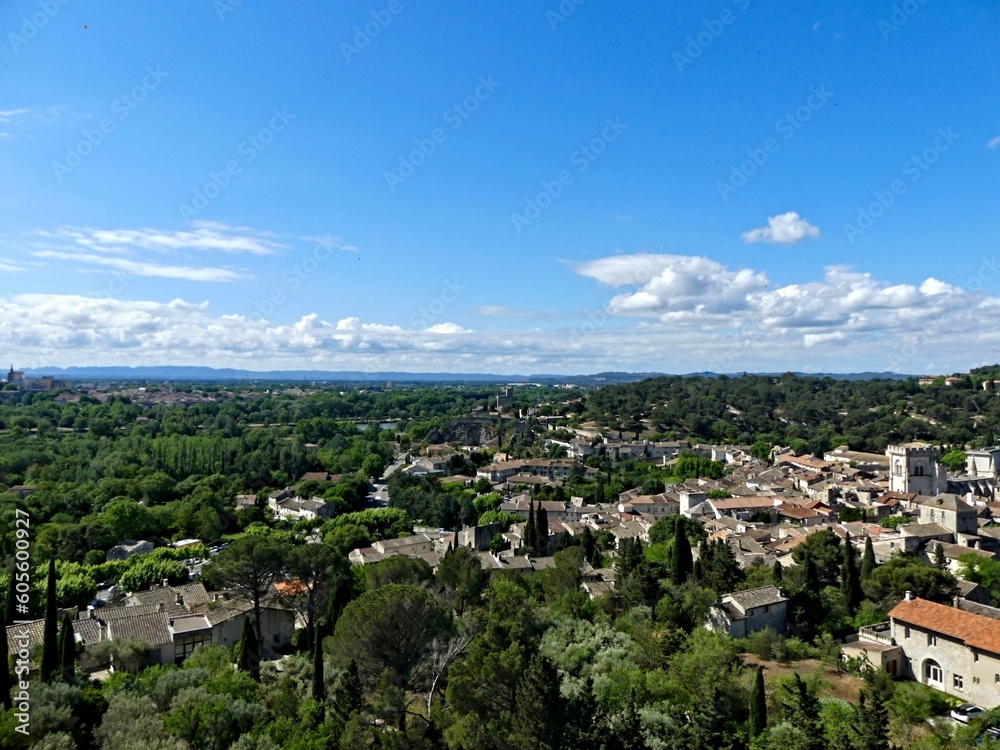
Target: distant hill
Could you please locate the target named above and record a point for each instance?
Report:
(193, 373)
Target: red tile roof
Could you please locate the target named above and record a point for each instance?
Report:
(975, 630)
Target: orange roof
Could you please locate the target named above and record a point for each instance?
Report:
(290, 588)
(975, 630)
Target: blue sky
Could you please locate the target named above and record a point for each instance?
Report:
(532, 187)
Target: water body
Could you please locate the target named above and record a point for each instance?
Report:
(362, 426)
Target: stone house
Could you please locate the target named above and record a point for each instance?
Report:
(744, 612)
(949, 649)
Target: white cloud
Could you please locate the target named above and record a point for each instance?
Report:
(785, 229)
(203, 236)
(673, 283)
(449, 329)
(6, 115)
(993, 142)
(141, 268)
(670, 313)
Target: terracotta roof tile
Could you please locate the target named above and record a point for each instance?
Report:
(975, 630)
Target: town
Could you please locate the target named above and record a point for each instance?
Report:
(866, 571)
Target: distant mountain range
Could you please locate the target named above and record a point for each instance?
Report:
(203, 374)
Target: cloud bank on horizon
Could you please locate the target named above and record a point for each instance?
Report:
(662, 311)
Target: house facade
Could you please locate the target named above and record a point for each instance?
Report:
(948, 648)
(744, 612)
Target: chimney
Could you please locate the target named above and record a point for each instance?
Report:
(159, 607)
(908, 597)
(166, 583)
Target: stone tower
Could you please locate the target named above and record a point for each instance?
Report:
(914, 467)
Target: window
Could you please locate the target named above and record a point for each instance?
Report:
(975, 656)
(975, 680)
(906, 631)
(933, 672)
(956, 681)
(184, 646)
(931, 639)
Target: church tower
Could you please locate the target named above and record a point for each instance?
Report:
(914, 467)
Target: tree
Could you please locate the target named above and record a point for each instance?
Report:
(349, 695)
(50, 636)
(940, 561)
(391, 628)
(850, 579)
(249, 651)
(373, 466)
(5, 682)
(777, 572)
(541, 531)
(954, 460)
(539, 719)
(872, 728)
(801, 707)
(528, 536)
(462, 575)
(313, 567)
(67, 650)
(318, 688)
(250, 565)
(868, 559)
(681, 562)
(758, 705)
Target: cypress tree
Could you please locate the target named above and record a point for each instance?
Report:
(50, 635)
(810, 573)
(528, 535)
(850, 581)
(67, 650)
(318, 688)
(868, 560)
(542, 531)
(339, 598)
(249, 655)
(873, 722)
(758, 705)
(4, 671)
(940, 561)
(349, 696)
(682, 563)
(539, 719)
(777, 572)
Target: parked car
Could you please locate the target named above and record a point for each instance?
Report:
(967, 712)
